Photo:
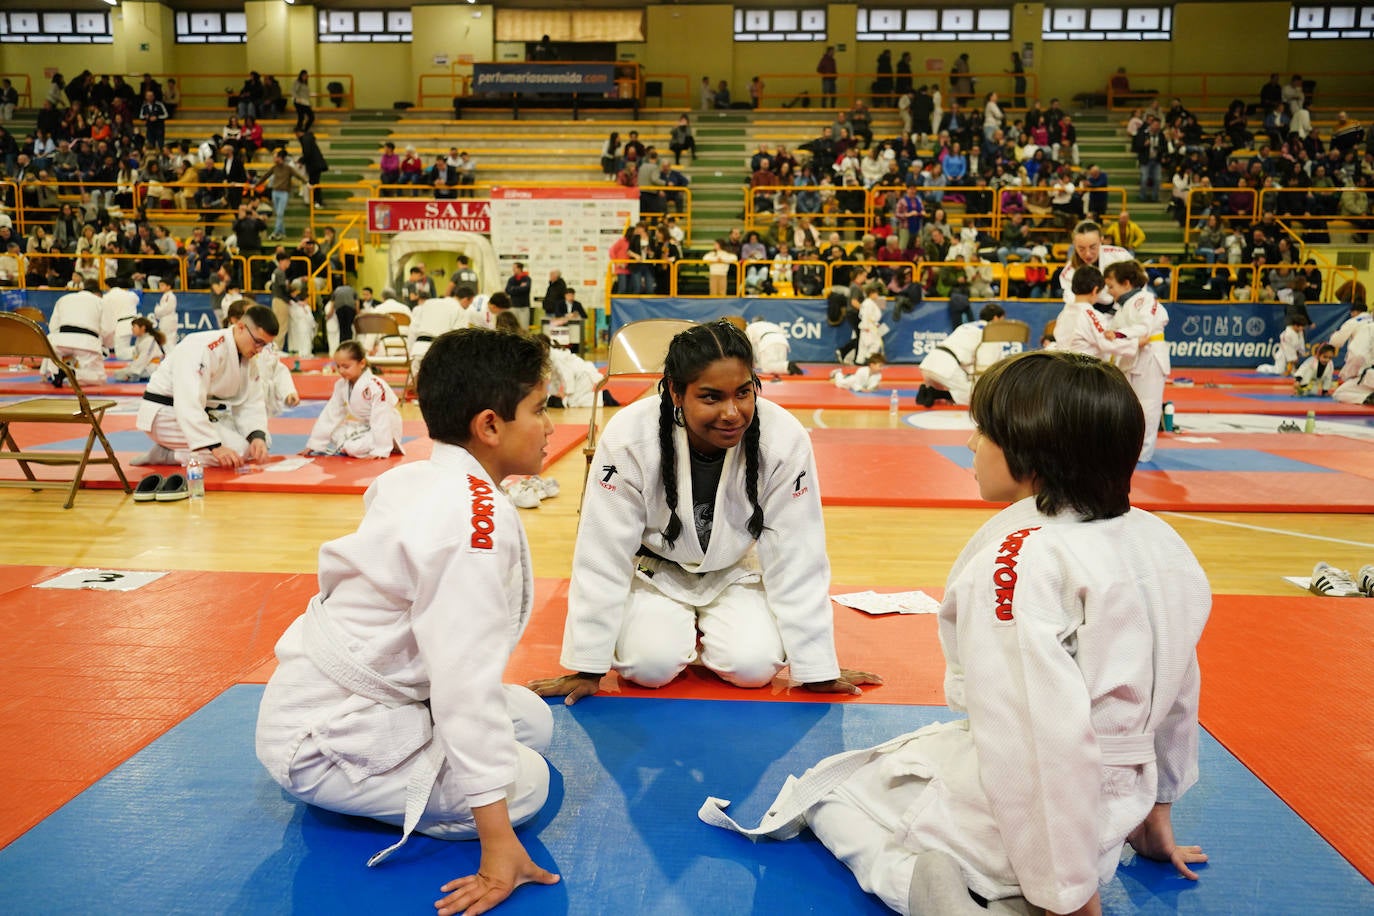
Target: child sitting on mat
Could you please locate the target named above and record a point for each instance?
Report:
(148, 351)
(387, 700)
(1316, 377)
(362, 418)
(865, 378)
(1290, 349)
(1075, 664)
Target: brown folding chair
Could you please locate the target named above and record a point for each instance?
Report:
(395, 348)
(38, 318)
(638, 348)
(23, 338)
(1008, 330)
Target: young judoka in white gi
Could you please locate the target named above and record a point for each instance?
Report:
(701, 525)
(362, 418)
(119, 306)
(303, 327)
(947, 371)
(865, 378)
(1290, 350)
(1068, 626)
(1088, 251)
(387, 700)
(436, 316)
(166, 313)
(772, 348)
(1356, 334)
(1084, 325)
(1316, 377)
(871, 327)
(207, 397)
(1141, 318)
(74, 330)
(148, 351)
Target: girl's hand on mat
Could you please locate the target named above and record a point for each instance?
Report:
(848, 682)
(501, 872)
(571, 686)
(1154, 839)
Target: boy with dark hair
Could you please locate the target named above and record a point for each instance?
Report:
(1076, 666)
(387, 701)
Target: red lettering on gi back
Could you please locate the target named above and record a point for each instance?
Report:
(1004, 575)
(483, 513)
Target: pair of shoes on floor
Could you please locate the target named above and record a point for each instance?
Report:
(1290, 426)
(156, 488)
(1333, 582)
(527, 492)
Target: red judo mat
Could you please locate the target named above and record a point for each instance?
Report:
(1239, 472)
(1286, 688)
(91, 677)
(319, 475)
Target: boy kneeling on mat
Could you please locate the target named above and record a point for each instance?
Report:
(1076, 666)
(387, 701)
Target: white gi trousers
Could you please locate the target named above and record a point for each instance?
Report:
(1147, 381)
(739, 638)
(771, 357)
(302, 336)
(90, 365)
(1355, 390)
(352, 438)
(167, 433)
(941, 370)
(316, 779)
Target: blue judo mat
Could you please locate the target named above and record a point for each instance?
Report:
(192, 824)
(1239, 460)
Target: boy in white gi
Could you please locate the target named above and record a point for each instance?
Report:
(1356, 334)
(1075, 664)
(118, 306)
(865, 378)
(166, 313)
(1084, 324)
(435, 316)
(1290, 350)
(206, 397)
(772, 348)
(1141, 318)
(362, 419)
(387, 700)
(302, 317)
(74, 332)
(740, 568)
(871, 327)
(947, 371)
(572, 379)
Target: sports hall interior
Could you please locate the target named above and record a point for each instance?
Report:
(131, 785)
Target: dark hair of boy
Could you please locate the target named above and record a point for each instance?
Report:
(1324, 349)
(1068, 422)
(498, 301)
(235, 310)
(689, 353)
(1086, 279)
(507, 323)
(1132, 273)
(263, 319)
(990, 311)
(465, 292)
(471, 370)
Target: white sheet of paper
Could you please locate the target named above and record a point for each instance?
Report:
(103, 580)
(1196, 439)
(1302, 582)
(871, 602)
(288, 464)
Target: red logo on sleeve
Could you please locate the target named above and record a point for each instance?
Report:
(1004, 576)
(483, 514)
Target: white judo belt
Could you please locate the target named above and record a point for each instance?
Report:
(326, 650)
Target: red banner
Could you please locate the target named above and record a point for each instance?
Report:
(395, 214)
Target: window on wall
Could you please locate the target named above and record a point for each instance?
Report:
(780, 25)
(208, 28)
(1305, 21)
(365, 25)
(1131, 23)
(49, 28)
(989, 24)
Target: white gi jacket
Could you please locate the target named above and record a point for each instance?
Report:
(166, 314)
(1358, 333)
(1080, 328)
(1313, 377)
(76, 322)
(954, 355)
(119, 307)
(434, 317)
(146, 349)
(204, 372)
(624, 509)
(405, 644)
(1141, 316)
(572, 378)
(771, 346)
(1107, 255)
(369, 402)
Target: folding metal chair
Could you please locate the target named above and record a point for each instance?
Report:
(395, 348)
(1008, 330)
(23, 338)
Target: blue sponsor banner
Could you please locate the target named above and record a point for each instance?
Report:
(193, 309)
(1230, 335)
(557, 79)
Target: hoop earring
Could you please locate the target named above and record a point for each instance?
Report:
(678, 418)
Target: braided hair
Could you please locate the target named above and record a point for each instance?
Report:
(690, 352)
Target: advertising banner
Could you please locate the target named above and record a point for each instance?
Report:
(395, 214)
(193, 309)
(564, 229)
(545, 78)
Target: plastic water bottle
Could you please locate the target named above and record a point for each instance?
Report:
(195, 477)
(1168, 416)
(1311, 425)
(893, 404)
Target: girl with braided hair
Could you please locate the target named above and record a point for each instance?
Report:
(702, 539)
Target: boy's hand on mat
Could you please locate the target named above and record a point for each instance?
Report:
(848, 682)
(571, 686)
(502, 870)
(1154, 839)
(257, 450)
(227, 457)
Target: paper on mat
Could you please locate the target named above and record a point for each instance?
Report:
(870, 602)
(1195, 439)
(104, 580)
(289, 464)
(1302, 582)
